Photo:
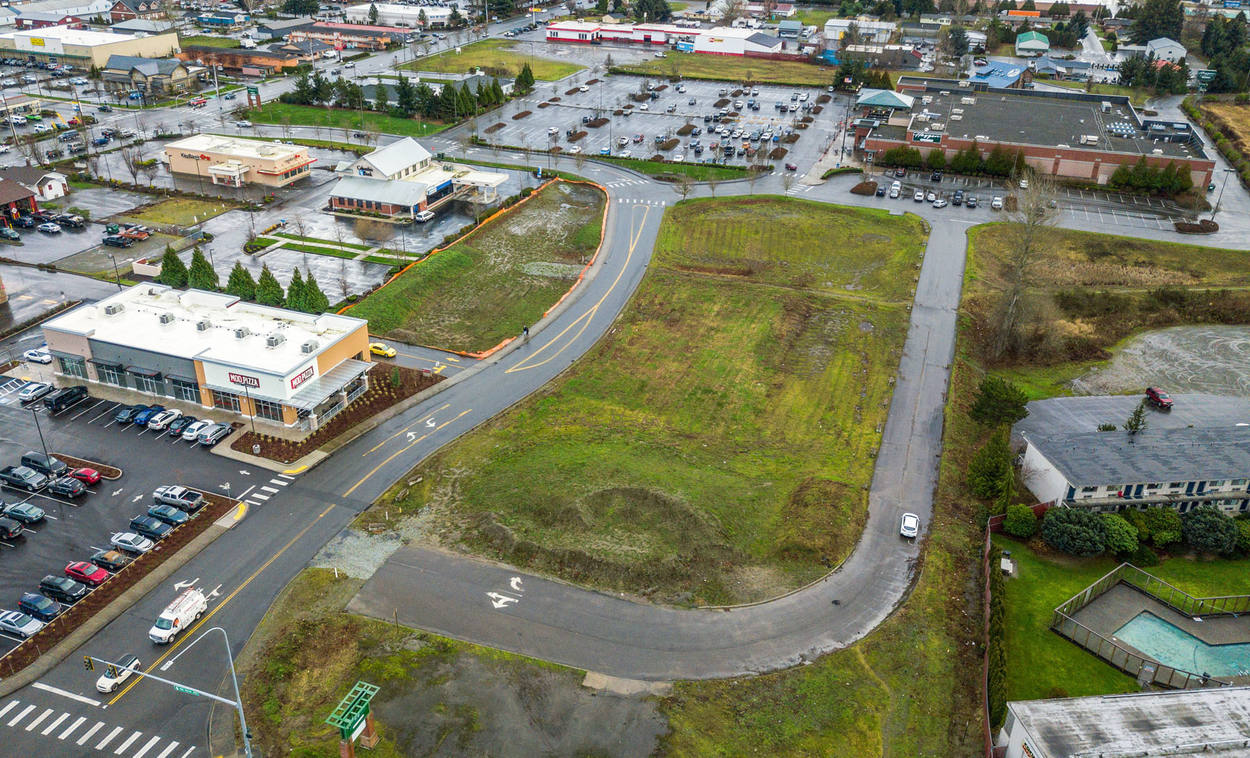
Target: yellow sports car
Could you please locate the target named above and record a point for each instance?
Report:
(382, 349)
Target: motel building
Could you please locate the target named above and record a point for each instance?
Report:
(235, 161)
(216, 351)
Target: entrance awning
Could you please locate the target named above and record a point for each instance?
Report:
(183, 379)
(103, 363)
(238, 389)
(315, 391)
(140, 371)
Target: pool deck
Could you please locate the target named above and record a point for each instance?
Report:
(1122, 603)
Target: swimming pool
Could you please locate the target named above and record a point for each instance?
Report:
(1175, 647)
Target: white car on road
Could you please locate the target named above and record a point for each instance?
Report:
(909, 527)
(111, 680)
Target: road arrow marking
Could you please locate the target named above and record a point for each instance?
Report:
(412, 436)
(214, 593)
(500, 601)
(245, 473)
(118, 491)
(137, 498)
(224, 486)
(430, 423)
(184, 585)
(515, 584)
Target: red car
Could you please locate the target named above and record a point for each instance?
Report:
(87, 573)
(86, 475)
(1158, 398)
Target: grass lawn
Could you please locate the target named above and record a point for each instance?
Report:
(720, 67)
(1137, 95)
(209, 41)
(813, 17)
(496, 57)
(1040, 663)
(1236, 116)
(182, 211)
(697, 172)
(369, 121)
(477, 293)
(720, 441)
(319, 241)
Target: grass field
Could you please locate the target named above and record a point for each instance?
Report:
(1043, 664)
(1236, 116)
(475, 294)
(496, 57)
(1137, 95)
(718, 444)
(367, 121)
(209, 41)
(696, 172)
(813, 17)
(181, 211)
(719, 67)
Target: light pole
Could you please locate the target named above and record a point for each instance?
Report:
(35, 415)
(116, 275)
(1220, 197)
(251, 412)
(238, 701)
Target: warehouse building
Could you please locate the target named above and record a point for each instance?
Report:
(720, 40)
(216, 351)
(869, 31)
(352, 36)
(84, 49)
(1207, 722)
(1031, 44)
(392, 14)
(1068, 135)
(236, 161)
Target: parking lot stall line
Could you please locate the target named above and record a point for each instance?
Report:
(72, 728)
(88, 734)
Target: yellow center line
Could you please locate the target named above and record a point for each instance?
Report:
(525, 364)
(187, 635)
(392, 457)
(406, 428)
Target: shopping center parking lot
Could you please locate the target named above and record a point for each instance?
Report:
(613, 93)
(73, 530)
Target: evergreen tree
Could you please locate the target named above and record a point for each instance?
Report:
(315, 300)
(268, 290)
(295, 292)
(201, 276)
(1157, 18)
(447, 108)
(496, 92)
(423, 19)
(373, 14)
(426, 100)
(173, 270)
(455, 19)
(483, 95)
(240, 284)
(381, 102)
(601, 7)
(524, 80)
(1137, 420)
(466, 104)
(405, 96)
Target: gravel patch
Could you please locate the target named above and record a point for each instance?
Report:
(1185, 359)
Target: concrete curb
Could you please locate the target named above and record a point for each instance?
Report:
(58, 652)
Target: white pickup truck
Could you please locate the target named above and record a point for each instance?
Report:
(178, 615)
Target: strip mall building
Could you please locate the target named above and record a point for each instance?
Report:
(721, 40)
(216, 351)
(235, 161)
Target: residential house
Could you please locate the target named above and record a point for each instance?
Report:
(129, 10)
(16, 199)
(307, 50)
(222, 21)
(1165, 49)
(151, 76)
(47, 185)
(789, 29)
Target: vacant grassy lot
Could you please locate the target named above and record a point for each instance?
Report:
(1087, 292)
(475, 294)
(1236, 116)
(1043, 664)
(719, 443)
(333, 118)
(182, 211)
(697, 66)
(209, 41)
(496, 57)
(1137, 95)
(697, 172)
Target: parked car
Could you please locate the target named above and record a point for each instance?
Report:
(918, 196)
(213, 434)
(940, 203)
(42, 608)
(192, 432)
(48, 227)
(909, 526)
(49, 465)
(144, 416)
(67, 486)
(114, 675)
(161, 420)
(38, 355)
(26, 513)
(86, 475)
(116, 240)
(126, 414)
(150, 527)
(131, 542)
(9, 234)
(23, 477)
(86, 572)
(1158, 398)
(10, 529)
(422, 217)
(19, 624)
(63, 589)
(169, 514)
(64, 398)
(110, 560)
(33, 391)
(176, 426)
(971, 202)
(180, 497)
(997, 203)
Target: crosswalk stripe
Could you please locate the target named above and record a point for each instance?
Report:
(87, 735)
(57, 722)
(38, 720)
(270, 490)
(116, 731)
(8, 707)
(184, 755)
(21, 715)
(258, 496)
(126, 744)
(278, 482)
(72, 727)
(165, 753)
(143, 750)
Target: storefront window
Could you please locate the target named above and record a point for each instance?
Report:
(226, 401)
(110, 375)
(73, 366)
(266, 409)
(148, 384)
(186, 390)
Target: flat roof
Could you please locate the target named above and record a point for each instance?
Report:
(1050, 119)
(138, 324)
(1150, 723)
(68, 36)
(237, 147)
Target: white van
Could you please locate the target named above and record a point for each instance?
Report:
(178, 615)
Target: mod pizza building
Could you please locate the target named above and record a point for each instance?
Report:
(215, 351)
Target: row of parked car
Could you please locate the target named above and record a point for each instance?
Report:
(173, 422)
(39, 472)
(172, 507)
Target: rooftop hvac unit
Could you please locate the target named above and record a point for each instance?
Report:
(944, 92)
(274, 340)
(957, 110)
(957, 117)
(968, 100)
(1156, 151)
(980, 138)
(308, 346)
(925, 100)
(241, 333)
(1061, 145)
(937, 127)
(202, 326)
(112, 309)
(166, 318)
(922, 116)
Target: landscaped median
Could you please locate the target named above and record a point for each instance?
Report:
(717, 446)
(480, 291)
(79, 622)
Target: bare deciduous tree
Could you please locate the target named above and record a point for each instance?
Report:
(682, 186)
(131, 159)
(1031, 220)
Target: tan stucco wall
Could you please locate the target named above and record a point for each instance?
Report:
(180, 165)
(349, 347)
(74, 344)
